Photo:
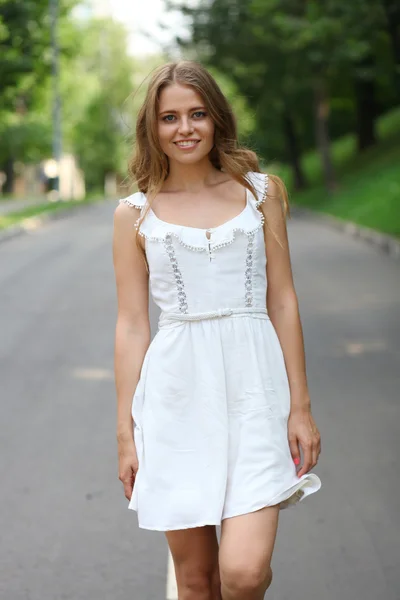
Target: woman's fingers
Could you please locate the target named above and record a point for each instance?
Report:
(303, 431)
(128, 466)
(128, 483)
(294, 449)
(307, 458)
(311, 450)
(317, 450)
(127, 476)
(314, 456)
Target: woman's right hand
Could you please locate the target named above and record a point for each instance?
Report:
(128, 466)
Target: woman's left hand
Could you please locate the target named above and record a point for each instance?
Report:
(303, 430)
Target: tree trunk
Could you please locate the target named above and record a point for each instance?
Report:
(8, 168)
(293, 151)
(392, 10)
(364, 87)
(322, 134)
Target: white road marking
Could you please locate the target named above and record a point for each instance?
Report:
(172, 590)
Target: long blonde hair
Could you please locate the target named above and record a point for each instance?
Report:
(149, 166)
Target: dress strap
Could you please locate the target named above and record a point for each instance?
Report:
(260, 183)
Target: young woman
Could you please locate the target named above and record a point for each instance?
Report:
(220, 430)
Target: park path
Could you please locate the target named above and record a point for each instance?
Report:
(66, 532)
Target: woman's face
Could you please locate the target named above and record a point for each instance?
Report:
(185, 130)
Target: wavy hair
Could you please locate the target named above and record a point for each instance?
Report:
(149, 166)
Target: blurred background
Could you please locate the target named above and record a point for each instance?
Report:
(315, 86)
(316, 90)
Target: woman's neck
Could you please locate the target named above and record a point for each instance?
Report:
(190, 178)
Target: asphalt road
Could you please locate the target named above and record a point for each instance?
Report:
(65, 530)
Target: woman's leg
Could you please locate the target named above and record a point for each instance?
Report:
(195, 555)
(246, 547)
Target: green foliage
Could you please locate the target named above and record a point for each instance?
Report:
(95, 80)
(25, 57)
(97, 131)
(369, 184)
(269, 57)
(25, 64)
(23, 41)
(279, 52)
(27, 137)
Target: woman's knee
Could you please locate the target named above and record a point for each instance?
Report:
(195, 557)
(197, 584)
(245, 579)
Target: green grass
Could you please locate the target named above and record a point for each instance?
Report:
(368, 183)
(37, 210)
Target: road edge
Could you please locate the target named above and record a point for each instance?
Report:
(35, 222)
(382, 241)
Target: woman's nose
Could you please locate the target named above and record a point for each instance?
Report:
(185, 126)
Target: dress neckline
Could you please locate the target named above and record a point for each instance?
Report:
(203, 229)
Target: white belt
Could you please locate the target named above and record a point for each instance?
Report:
(170, 317)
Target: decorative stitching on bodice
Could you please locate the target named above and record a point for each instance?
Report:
(170, 234)
(130, 202)
(183, 305)
(159, 232)
(249, 272)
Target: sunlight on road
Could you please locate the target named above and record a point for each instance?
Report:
(354, 348)
(93, 374)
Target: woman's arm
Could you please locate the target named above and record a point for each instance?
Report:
(282, 300)
(283, 310)
(132, 335)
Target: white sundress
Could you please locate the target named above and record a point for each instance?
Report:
(211, 406)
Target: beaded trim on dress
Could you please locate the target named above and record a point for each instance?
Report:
(251, 219)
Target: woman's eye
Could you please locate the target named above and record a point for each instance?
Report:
(199, 114)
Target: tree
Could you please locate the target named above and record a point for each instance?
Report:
(98, 131)
(287, 55)
(231, 35)
(23, 44)
(392, 12)
(24, 73)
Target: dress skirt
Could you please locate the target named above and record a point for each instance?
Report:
(210, 418)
